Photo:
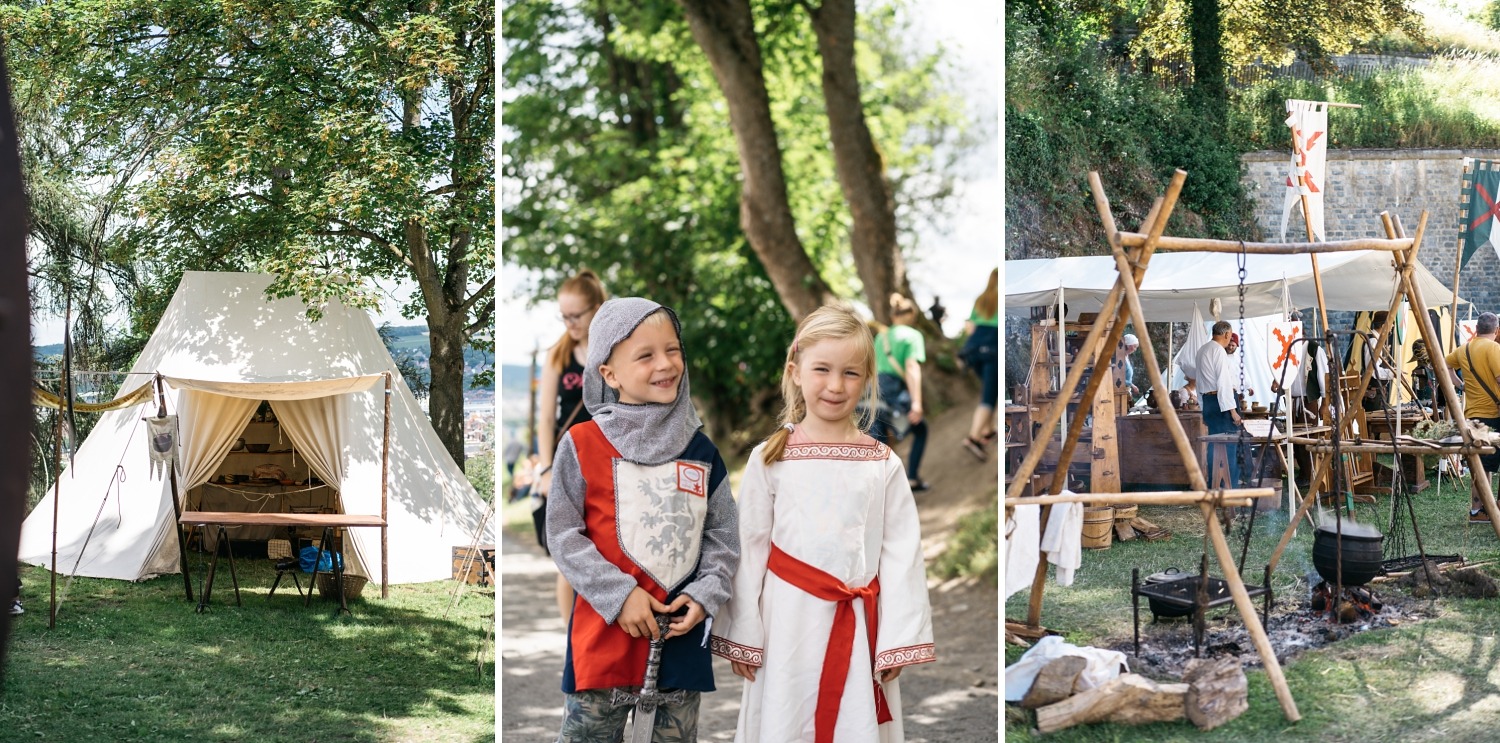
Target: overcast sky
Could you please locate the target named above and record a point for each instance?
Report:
(953, 265)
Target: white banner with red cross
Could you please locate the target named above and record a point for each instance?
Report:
(1309, 123)
(1467, 329)
(1284, 353)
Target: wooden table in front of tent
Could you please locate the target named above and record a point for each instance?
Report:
(329, 522)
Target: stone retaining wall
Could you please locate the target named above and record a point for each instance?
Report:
(1362, 184)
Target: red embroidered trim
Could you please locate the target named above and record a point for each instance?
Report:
(906, 656)
(735, 651)
(856, 452)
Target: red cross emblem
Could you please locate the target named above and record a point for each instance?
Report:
(1494, 211)
(1286, 347)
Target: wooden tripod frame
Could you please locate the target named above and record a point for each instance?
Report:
(1405, 258)
(1105, 333)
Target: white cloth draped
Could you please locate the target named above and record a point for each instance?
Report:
(1023, 538)
(1063, 541)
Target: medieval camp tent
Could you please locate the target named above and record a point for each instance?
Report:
(1181, 285)
(222, 349)
(1179, 281)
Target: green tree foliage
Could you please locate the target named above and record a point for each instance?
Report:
(618, 156)
(326, 141)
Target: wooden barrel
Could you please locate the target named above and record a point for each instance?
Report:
(1125, 511)
(1098, 527)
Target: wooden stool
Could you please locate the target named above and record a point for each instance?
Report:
(1218, 470)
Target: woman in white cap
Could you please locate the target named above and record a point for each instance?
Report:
(1131, 343)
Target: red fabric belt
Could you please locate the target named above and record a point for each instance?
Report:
(840, 640)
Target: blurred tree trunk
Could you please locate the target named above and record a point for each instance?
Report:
(725, 31)
(860, 166)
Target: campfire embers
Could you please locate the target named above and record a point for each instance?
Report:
(1356, 604)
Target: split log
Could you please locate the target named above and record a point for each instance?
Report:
(1217, 691)
(1055, 681)
(1131, 699)
(1123, 531)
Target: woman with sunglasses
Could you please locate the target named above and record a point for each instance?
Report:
(560, 397)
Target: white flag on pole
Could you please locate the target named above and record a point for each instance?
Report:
(1309, 123)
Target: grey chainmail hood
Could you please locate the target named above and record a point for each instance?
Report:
(645, 434)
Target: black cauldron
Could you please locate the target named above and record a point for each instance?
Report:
(1160, 608)
(1361, 556)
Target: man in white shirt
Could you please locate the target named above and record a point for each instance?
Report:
(1216, 391)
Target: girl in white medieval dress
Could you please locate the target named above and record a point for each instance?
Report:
(830, 599)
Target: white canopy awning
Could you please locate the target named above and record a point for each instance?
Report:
(1176, 282)
(289, 389)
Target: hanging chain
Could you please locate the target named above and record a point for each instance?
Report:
(1240, 262)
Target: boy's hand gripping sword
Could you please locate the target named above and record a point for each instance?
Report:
(650, 698)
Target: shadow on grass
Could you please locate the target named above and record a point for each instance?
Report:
(135, 662)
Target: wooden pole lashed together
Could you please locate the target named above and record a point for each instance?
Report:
(385, 477)
(56, 495)
(1110, 324)
(161, 411)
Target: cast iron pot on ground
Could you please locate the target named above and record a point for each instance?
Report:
(1361, 556)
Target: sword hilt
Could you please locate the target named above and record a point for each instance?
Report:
(653, 660)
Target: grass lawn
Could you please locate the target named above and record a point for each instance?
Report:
(133, 662)
(1438, 679)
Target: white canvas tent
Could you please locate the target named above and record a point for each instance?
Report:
(1176, 281)
(222, 347)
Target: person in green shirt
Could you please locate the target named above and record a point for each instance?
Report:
(899, 353)
(981, 352)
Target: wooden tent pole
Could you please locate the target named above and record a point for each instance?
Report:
(1248, 615)
(1322, 468)
(1241, 497)
(187, 580)
(1458, 264)
(1173, 243)
(1108, 314)
(1445, 380)
(385, 476)
(56, 496)
(1163, 401)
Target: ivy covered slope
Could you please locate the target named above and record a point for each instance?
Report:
(1110, 86)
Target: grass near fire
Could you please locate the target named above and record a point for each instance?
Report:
(1438, 679)
(133, 662)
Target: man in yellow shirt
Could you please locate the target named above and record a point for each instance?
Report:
(1479, 363)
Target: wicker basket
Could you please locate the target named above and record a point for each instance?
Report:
(1126, 511)
(279, 549)
(354, 585)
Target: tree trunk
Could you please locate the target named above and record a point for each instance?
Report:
(1208, 60)
(860, 167)
(725, 31)
(445, 401)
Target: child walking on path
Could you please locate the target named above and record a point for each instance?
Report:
(641, 522)
(830, 599)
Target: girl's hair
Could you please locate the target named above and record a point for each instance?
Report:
(989, 302)
(824, 324)
(588, 286)
(901, 306)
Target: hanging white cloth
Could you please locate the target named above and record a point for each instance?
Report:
(1022, 548)
(1063, 541)
(1309, 123)
(1103, 666)
(1187, 364)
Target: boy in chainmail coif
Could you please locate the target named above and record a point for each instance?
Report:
(641, 522)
